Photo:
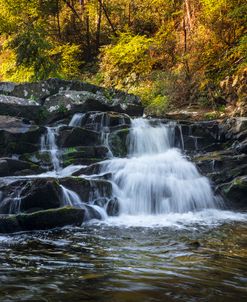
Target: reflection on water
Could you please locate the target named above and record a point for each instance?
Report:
(113, 263)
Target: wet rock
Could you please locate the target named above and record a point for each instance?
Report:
(88, 189)
(118, 142)
(199, 136)
(18, 136)
(10, 166)
(232, 128)
(73, 137)
(110, 204)
(42, 220)
(235, 191)
(29, 195)
(40, 158)
(99, 121)
(84, 155)
(89, 170)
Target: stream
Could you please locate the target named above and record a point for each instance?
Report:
(173, 239)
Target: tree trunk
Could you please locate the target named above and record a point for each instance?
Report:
(98, 28)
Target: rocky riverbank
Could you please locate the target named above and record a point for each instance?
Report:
(54, 131)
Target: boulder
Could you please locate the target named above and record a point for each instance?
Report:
(76, 100)
(11, 166)
(84, 155)
(37, 90)
(42, 220)
(233, 128)
(29, 195)
(18, 136)
(88, 189)
(19, 107)
(235, 191)
(99, 121)
(73, 137)
(111, 205)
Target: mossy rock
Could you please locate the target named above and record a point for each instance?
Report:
(42, 220)
(236, 191)
(118, 142)
(84, 155)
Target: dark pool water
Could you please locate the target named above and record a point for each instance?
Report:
(99, 262)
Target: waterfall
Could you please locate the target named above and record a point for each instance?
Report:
(76, 119)
(156, 178)
(71, 198)
(48, 144)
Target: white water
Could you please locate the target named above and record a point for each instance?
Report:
(48, 143)
(71, 198)
(155, 185)
(76, 119)
(157, 178)
(190, 220)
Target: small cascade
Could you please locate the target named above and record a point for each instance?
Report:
(181, 137)
(15, 207)
(48, 144)
(76, 119)
(101, 122)
(71, 198)
(156, 178)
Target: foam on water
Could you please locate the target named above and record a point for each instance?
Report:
(156, 178)
(190, 220)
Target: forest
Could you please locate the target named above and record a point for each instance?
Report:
(171, 53)
(123, 150)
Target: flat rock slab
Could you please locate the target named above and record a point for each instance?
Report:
(42, 220)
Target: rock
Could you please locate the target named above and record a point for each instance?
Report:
(118, 142)
(111, 205)
(83, 101)
(99, 121)
(10, 166)
(80, 101)
(42, 220)
(84, 155)
(235, 191)
(29, 195)
(234, 126)
(89, 170)
(242, 147)
(88, 190)
(199, 136)
(40, 158)
(18, 136)
(34, 194)
(38, 90)
(73, 137)
(19, 107)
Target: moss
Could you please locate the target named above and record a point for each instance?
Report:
(46, 219)
(70, 150)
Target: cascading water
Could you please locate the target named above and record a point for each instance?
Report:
(76, 120)
(156, 178)
(71, 198)
(48, 144)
